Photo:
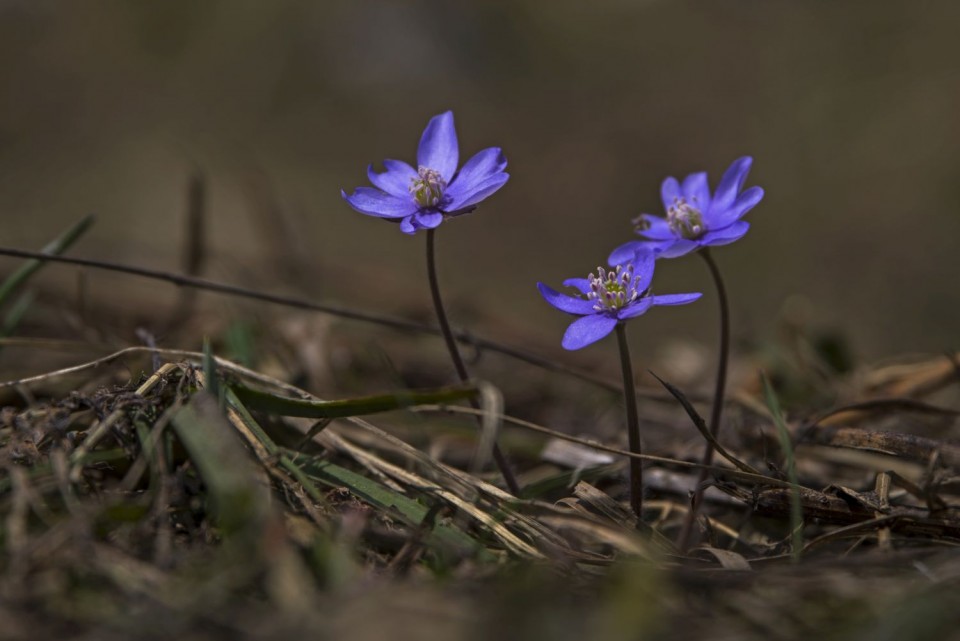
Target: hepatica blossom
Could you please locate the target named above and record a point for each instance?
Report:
(421, 198)
(608, 297)
(695, 218)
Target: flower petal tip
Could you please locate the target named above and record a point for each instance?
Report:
(587, 330)
(564, 302)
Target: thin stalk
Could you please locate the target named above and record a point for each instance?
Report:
(633, 423)
(458, 364)
(463, 337)
(718, 397)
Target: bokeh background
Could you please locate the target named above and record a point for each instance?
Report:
(850, 109)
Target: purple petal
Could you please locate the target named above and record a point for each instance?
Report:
(582, 284)
(731, 183)
(438, 148)
(625, 252)
(727, 235)
(658, 228)
(428, 219)
(408, 225)
(643, 266)
(677, 248)
(481, 166)
(395, 180)
(744, 203)
(643, 261)
(374, 202)
(676, 299)
(587, 330)
(566, 303)
(669, 192)
(461, 198)
(697, 191)
(636, 308)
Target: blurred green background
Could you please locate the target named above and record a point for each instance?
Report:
(850, 109)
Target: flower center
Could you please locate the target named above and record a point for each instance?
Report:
(614, 289)
(685, 220)
(427, 188)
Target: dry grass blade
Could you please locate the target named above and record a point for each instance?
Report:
(103, 427)
(907, 446)
(728, 559)
(511, 541)
(852, 412)
(393, 503)
(267, 451)
(491, 406)
(594, 532)
(914, 379)
(601, 503)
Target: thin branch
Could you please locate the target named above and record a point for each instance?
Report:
(462, 337)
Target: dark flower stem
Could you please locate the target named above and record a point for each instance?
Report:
(633, 423)
(202, 284)
(458, 364)
(683, 540)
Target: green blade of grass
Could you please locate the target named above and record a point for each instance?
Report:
(238, 500)
(284, 406)
(15, 314)
(796, 511)
(379, 496)
(210, 373)
(383, 498)
(56, 246)
(258, 436)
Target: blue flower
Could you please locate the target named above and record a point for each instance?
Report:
(608, 298)
(694, 218)
(421, 198)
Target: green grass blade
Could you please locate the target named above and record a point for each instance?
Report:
(257, 432)
(284, 406)
(16, 313)
(238, 501)
(210, 372)
(56, 246)
(383, 498)
(306, 469)
(796, 511)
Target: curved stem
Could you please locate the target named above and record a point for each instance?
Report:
(718, 397)
(203, 284)
(458, 364)
(633, 423)
(721, 386)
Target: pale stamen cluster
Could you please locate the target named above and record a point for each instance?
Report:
(614, 289)
(685, 220)
(427, 188)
